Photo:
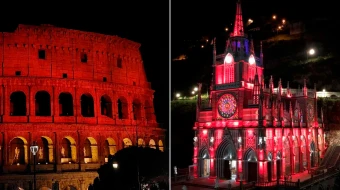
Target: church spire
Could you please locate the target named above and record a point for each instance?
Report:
(238, 26)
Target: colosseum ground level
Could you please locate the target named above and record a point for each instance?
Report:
(67, 181)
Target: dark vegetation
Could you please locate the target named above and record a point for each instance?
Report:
(151, 164)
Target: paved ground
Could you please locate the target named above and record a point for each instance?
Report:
(206, 183)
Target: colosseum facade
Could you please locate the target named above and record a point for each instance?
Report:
(79, 95)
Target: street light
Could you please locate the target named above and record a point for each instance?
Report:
(115, 165)
(311, 52)
(34, 149)
(178, 95)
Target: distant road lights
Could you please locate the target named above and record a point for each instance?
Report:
(192, 92)
(274, 17)
(178, 95)
(195, 89)
(311, 52)
(279, 27)
(227, 29)
(283, 21)
(202, 46)
(250, 21)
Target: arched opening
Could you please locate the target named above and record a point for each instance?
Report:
(270, 167)
(312, 154)
(87, 105)
(65, 104)
(68, 150)
(127, 142)
(45, 188)
(42, 104)
(45, 151)
(304, 153)
(109, 148)
(160, 145)
(287, 156)
(141, 142)
(18, 151)
(18, 103)
(90, 150)
(204, 160)
(136, 109)
(148, 110)
(70, 187)
(296, 156)
(122, 108)
(152, 144)
(278, 165)
(106, 106)
(226, 160)
(250, 165)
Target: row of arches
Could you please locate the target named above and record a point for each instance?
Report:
(227, 165)
(18, 106)
(18, 150)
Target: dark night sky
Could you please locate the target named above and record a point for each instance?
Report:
(145, 22)
(192, 19)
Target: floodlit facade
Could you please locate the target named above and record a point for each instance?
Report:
(80, 96)
(248, 130)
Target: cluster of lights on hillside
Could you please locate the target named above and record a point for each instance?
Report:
(193, 92)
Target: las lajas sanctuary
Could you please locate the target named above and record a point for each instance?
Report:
(78, 96)
(250, 131)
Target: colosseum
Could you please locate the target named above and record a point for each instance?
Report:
(79, 96)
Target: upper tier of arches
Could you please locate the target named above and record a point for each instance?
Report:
(74, 105)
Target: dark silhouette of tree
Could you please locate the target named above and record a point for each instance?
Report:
(151, 164)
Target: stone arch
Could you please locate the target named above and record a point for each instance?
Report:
(303, 153)
(68, 150)
(287, 156)
(18, 151)
(152, 144)
(137, 109)
(65, 104)
(122, 108)
(42, 103)
(141, 142)
(127, 142)
(70, 187)
(279, 165)
(250, 165)
(45, 152)
(148, 110)
(250, 155)
(225, 152)
(45, 188)
(87, 105)
(204, 162)
(296, 154)
(270, 166)
(312, 150)
(106, 106)
(90, 150)
(110, 148)
(18, 103)
(160, 145)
